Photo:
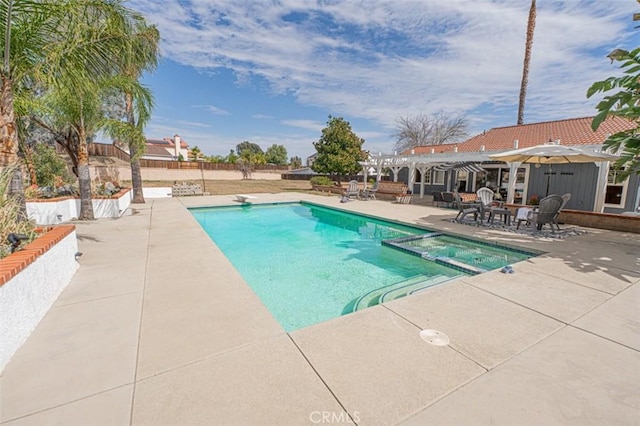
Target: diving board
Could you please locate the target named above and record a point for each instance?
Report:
(244, 199)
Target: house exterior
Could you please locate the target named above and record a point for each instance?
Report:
(166, 149)
(429, 169)
(311, 159)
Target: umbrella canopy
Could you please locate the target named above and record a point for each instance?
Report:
(552, 154)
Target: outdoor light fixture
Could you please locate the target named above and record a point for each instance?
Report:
(15, 240)
(78, 255)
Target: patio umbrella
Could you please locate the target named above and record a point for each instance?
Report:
(552, 154)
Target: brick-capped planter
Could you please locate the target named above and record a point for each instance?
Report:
(611, 221)
(31, 280)
(56, 210)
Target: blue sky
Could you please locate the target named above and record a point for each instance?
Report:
(271, 72)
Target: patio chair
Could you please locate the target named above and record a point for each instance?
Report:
(370, 193)
(565, 199)
(546, 212)
(448, 198)
(486, 200)
(465, 209)
(437, 199)
(352, 190)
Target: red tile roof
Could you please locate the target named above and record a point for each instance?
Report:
(573, 131)
(172, 142)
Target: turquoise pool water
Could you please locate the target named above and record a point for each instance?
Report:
(309, 264)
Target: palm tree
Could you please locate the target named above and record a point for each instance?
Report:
(47, 41)
(141, 55)
(531, 25)
(73, 116)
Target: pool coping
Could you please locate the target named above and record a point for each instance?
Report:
(160, 378)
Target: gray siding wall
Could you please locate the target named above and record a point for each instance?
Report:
(577, 179)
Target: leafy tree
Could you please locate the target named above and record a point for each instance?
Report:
(339, 149)
(232, 158)
(423, 130)
(531, 25)
(195, 154)
(215, 159)
(74, 114)
(253, 148)
(48, 165)
(295, 162)
(44, 40)
(626, 104)
(276, 154)
(180, 157)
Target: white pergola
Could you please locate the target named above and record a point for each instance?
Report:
(425, 162)
(420, 162)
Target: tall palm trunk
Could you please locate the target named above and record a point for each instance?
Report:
(531, 25)
(9, 143)
(84, 177)
(136, 174)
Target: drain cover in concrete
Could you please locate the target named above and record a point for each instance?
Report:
(434, 337)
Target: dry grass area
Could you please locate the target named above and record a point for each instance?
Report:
(248, 186)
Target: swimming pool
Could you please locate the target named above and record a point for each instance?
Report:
(309, 263)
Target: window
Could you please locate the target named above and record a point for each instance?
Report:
(427, 177)
(438, 177)
(615, 193)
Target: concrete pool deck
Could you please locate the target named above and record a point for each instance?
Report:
(158, 328)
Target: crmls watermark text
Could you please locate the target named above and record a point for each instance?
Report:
(333, 417)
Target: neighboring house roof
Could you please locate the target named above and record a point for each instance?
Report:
(183, 144)
(157, 151)
(158, 142)
(167, 143)
(574, 131)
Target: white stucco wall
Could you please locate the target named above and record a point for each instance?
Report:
(55, 212)
(159, 192)
(26, 298)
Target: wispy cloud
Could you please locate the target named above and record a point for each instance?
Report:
(402, 57)
(213, 109)
(261, 116)
(312, 125)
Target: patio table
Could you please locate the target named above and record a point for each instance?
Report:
(504, 212)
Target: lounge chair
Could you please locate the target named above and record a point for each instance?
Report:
(465, 209)
(546, 212)
(352, 190)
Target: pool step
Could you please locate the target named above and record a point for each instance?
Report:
(394, 291)
(397, 293)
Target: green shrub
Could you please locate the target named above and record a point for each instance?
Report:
(321, 180)
(51, 169)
